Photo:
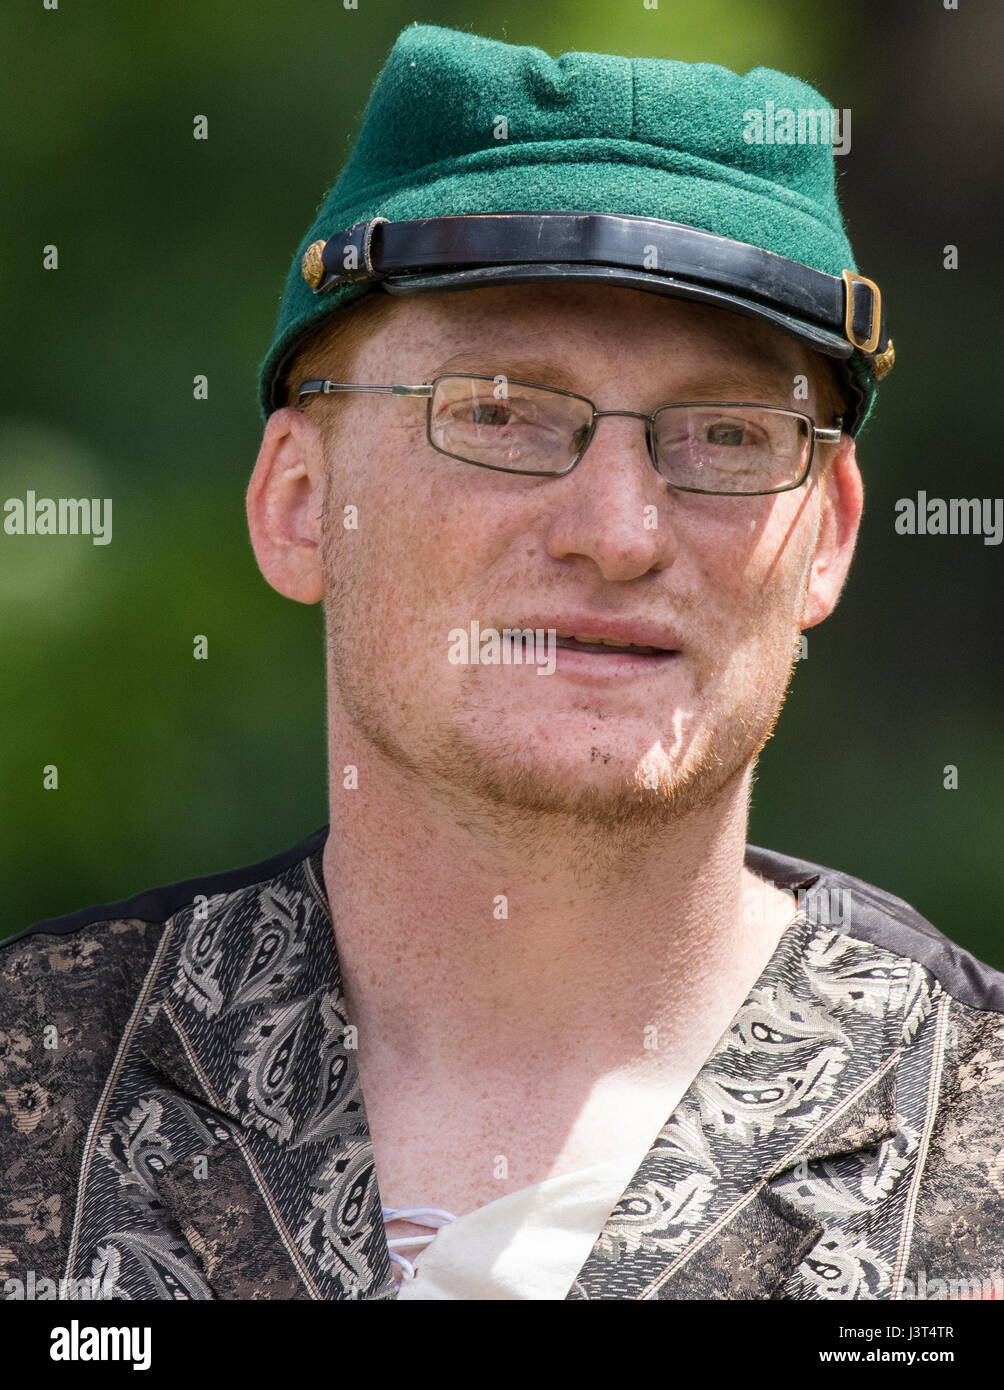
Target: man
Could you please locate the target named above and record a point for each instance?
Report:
(530, 1020)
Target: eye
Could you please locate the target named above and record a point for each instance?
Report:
(495, 413)
(484, 412)
(726, 432)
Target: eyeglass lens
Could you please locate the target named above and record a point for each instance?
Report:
(715, 448)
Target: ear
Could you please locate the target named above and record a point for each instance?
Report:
(841, 504)
(284, 506)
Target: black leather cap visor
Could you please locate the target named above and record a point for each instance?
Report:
(838, 316)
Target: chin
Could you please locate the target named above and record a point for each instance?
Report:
(605, 789)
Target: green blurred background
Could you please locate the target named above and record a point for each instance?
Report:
(172, 255)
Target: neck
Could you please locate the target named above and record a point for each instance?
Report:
(467, 935)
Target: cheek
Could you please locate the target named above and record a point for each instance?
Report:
(428, 530)
(757, 560)
(748, 592)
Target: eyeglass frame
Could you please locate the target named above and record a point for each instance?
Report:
(427, 390)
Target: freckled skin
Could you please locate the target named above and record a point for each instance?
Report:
(628, 907)
(729, 573)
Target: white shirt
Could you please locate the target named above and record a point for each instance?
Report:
(529, 1244)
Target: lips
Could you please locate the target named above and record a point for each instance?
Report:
(606, 647)
(595, 645)
(605, 633)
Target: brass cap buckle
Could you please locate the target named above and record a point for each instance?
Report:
(870, 343)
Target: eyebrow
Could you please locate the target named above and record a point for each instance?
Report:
(733, 375)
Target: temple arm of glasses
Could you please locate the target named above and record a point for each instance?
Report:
(325, 388)
(827, 436)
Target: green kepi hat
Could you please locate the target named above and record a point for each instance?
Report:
(484, 163)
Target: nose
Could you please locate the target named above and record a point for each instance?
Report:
(610, 510)
(634, 415)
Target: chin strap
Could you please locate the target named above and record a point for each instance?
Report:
(435, 1217)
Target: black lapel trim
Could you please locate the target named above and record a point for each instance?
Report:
(889, 922)
(158, 904)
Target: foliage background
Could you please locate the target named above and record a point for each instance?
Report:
(172, 257)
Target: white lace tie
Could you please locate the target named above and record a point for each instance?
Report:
(421, 1216)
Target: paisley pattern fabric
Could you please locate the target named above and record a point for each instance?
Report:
(181, 1115)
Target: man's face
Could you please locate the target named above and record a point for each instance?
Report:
(727, 583)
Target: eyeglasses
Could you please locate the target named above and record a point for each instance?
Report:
(727, 449)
